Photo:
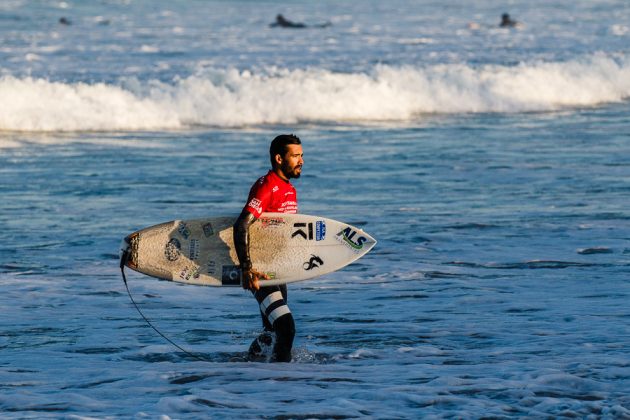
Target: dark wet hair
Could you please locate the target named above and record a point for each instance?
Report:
(279, 146)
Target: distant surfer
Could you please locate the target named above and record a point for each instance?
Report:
(507, 21)
(282, 22)
(272, 192)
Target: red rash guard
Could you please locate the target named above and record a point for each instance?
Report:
(271, 194)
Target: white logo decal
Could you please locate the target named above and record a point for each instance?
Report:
(255, 204)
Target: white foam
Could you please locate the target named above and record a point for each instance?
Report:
(39, 105)
(232, 98)
(619, 30)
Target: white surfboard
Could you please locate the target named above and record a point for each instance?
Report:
(287, 247)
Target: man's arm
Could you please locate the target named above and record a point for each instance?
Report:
(241, 243)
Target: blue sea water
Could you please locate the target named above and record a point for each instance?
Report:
(492, 165)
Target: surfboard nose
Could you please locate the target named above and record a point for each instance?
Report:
(369, 243)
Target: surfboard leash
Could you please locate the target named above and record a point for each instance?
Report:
(123, 261)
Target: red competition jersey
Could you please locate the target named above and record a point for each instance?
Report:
(271, 194)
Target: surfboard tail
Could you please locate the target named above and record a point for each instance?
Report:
(126, 252)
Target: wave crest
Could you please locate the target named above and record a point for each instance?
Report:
(232, 98)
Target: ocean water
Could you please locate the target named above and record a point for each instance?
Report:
(492, 165)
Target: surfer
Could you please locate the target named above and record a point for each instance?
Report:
(272, 192)
(282, 22)
(507, 22)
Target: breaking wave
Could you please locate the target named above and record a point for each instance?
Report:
(233, 98)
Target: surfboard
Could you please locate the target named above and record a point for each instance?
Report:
(287, 247)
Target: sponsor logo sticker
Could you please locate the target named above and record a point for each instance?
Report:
(183, 230)
(314, 262)
(172, 249)
(320, 231)
(272, 222)
(189, 272)
(193, 250)
(231, 275)
(351, 238)
(300, 230)
(212, 267)
(208, 230)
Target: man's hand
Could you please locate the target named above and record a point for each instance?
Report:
(251, 278)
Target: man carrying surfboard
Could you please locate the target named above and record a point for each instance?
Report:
(272, 192)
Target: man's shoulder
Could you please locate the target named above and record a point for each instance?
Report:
(263, 185)
(270, 179)
(263, 180)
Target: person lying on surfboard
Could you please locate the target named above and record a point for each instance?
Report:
(272, 192)
(282, 22)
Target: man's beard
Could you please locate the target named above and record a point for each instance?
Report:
(291, 172)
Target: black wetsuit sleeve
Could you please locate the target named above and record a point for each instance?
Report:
(241, 238)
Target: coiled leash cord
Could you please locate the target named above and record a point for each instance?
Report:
(123, 262)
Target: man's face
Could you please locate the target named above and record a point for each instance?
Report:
(292, 161)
